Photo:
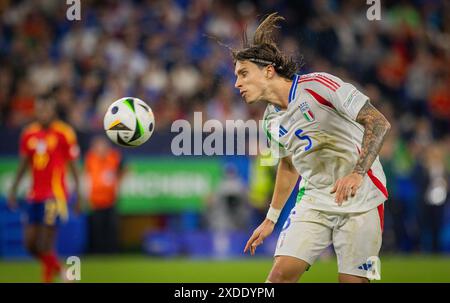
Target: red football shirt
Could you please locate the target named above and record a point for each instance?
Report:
(49, 150)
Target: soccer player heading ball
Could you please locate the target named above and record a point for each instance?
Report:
(327, 131)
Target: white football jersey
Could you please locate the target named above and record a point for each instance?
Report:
(320, 132)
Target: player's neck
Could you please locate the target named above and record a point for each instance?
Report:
(279, 93)
(46, 125)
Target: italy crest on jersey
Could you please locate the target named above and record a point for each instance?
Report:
(306, 111)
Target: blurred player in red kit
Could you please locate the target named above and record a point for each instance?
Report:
(47, 146)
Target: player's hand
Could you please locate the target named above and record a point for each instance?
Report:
(258, 236)
(346, 187)
(12, 202)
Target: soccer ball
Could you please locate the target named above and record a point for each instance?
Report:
(129, 122)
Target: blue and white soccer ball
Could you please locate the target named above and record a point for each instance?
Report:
(129, 122)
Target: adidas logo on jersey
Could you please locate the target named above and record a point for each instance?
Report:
(372, 267)
(365, 266)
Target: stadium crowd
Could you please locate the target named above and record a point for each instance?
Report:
(167, 53)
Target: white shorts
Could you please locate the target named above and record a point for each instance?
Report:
(355, 237)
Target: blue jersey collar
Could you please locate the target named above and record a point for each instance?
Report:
(292, 91)
(293, 88)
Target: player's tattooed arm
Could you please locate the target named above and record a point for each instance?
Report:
(376, 126)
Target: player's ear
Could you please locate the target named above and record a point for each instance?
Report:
(269, 71)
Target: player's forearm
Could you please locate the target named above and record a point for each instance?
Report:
(23, 165)
(286, 179)
(376, 127)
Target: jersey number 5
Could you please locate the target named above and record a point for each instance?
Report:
(306, 138)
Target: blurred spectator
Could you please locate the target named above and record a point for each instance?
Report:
(418, 82)
(228, 208)
(434, 179)
(222, 107)
(43, 75)
(104, 169)
(262, 179)
(5, 92)
(184, 79)
(391, 72)
(22, 104)
(401, 215)
(439, 103)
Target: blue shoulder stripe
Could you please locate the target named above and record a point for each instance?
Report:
(293, 88)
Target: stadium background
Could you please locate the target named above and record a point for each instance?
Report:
(158, 51)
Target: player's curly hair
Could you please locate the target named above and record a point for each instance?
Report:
(264, 51)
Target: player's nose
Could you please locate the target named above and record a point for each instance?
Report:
(237, 84)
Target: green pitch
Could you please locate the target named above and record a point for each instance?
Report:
(145, 269)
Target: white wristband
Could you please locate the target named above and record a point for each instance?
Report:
(273, 214)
